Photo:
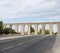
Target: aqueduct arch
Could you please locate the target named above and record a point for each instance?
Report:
(36, 27)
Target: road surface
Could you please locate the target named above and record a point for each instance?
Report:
(29, 44)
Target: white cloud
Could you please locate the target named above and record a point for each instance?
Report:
(25, 8)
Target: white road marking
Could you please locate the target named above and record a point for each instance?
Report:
(20, 44)
(7, 48)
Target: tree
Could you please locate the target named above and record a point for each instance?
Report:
(32, 29)
(12, 31)
(1, 27)
(8, 30)
(5, 30)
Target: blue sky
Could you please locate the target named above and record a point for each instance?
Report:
(30, 10)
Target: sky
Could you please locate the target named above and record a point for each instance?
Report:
(29, 10)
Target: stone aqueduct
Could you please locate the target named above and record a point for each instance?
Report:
(36, 27)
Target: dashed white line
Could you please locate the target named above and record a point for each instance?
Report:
(20, 44)
(7, 48)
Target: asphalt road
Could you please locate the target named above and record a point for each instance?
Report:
(29, 44)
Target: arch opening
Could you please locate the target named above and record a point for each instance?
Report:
(47, 29)
(26, 29)
(55, 29)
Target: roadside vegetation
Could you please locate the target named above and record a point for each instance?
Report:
(1, 27)
(5, 30)
(40, 31)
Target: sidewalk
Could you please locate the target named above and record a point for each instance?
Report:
(12, 36)
(56, 47)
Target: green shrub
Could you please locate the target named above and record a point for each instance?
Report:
(1, 27)
(32, 29)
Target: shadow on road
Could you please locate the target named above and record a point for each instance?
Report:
(49, 45)
(42, 46)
